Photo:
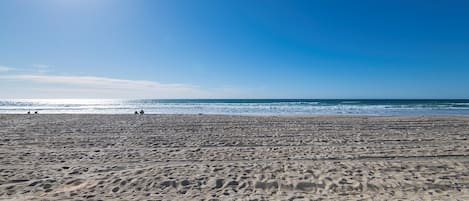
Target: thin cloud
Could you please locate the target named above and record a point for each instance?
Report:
(96, 81)
(5, 68)
(112, 87)
(41, 68)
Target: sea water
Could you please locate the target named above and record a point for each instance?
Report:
(238, 106)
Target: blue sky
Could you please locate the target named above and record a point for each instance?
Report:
(234, 49)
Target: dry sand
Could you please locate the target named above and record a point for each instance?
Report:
(204, 157)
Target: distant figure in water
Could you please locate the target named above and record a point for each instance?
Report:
(135, 112)
(142, 112)
(29, 112)
(35, 112)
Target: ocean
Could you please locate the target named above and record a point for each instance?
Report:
(238, 106)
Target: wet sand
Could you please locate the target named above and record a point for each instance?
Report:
(210, 157)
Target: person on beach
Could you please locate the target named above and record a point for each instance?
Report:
(142, 112)
(135, 112)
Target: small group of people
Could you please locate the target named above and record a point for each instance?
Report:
(35, 112)
(141, 112)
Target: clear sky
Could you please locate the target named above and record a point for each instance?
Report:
(234, 49)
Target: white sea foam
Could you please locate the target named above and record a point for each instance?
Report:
(239, 107)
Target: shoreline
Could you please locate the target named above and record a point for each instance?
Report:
(242, 115)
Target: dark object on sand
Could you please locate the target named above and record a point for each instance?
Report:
(135, 112)
(142, 112)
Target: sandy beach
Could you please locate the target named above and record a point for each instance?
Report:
(210, 157)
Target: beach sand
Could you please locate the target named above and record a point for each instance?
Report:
(211, 157)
